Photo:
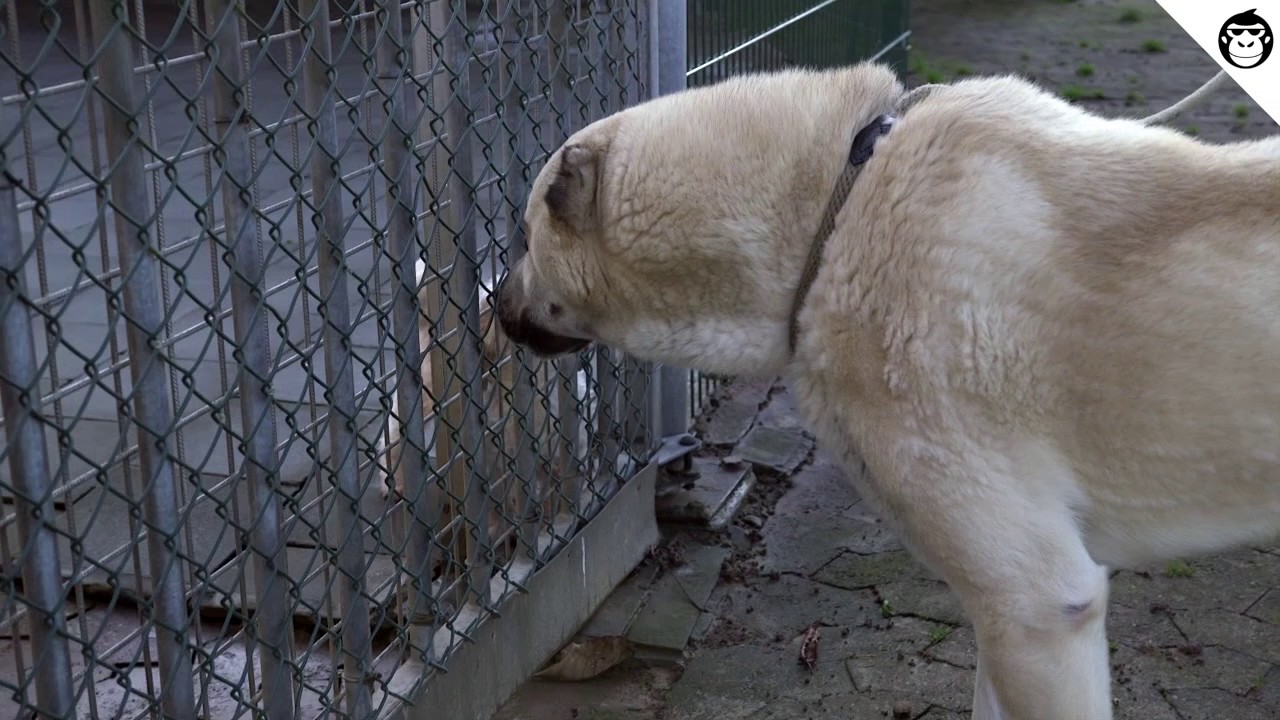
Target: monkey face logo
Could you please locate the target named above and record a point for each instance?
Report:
(1245, 40)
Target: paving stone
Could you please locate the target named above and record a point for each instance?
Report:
(1214, 703)
(622, 606)
(1267, 609)
(710, 499)
(736, 412)
(789, 605)
(924, 598)
(921, 682)
(958, 648)
(780, 450)
(855, 572)
(1186, 666)
(672, 610)
(1233, 581)
(1213, 626)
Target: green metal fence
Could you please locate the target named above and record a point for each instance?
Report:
(728, 37)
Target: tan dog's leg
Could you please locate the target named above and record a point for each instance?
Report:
(1011, 551)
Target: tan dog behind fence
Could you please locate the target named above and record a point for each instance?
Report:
(502, 438)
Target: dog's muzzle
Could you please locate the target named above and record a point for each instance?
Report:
(516, 319)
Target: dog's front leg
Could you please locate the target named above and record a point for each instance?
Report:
(986, 705)
(1013, 553)
(1040, 626)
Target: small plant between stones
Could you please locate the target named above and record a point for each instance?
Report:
(1154, 46)
(1179, 569)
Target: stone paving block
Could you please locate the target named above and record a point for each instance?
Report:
(780, 450)
(712, 498)
(1212, 626)
(921, 682)
(1212, 703)
(1186, 666)
(623, 604)
(1267, 609)
(736, 412)
(856, 572)
(672, 610)
(787, 606)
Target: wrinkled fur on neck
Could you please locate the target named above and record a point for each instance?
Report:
(771, 147)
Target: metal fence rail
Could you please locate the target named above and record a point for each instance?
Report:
(262, 440)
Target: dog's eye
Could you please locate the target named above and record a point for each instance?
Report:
(554, 310)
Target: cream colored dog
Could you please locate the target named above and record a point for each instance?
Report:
(1054, 338)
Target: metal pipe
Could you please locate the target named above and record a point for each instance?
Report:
(669, 43)
(29, 469)
(145, 317)
(461, 288)
(396, 145)
(339, 382)
(272, 622)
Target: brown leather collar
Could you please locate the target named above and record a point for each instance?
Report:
(860, 151)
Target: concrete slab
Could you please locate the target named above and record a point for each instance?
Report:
(735, 412)
(674, 605)
(778, 450)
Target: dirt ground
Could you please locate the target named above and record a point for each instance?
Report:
(1116, 57)
(1191, 640)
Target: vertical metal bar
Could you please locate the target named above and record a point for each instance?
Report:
(412, 459)
(318, 97)
(152, 414)
(29, 468)
(464, 346)
(271, 621)
(519, 73)
(671, 35)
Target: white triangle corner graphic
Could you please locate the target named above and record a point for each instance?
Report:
(1240, 35)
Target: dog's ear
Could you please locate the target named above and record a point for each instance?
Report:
(571, 196)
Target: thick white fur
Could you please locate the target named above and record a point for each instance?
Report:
(1054, 338)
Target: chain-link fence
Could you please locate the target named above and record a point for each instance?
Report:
(262, 438)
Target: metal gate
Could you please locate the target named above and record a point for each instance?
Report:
(263, 443)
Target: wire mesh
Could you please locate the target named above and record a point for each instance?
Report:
(263, 442)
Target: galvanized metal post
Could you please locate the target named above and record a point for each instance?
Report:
(668, 36)
(519, 74)
(29, 468)
(403, 249)
(318, 97)
(463, 349)
(145, 320)
(272, 623)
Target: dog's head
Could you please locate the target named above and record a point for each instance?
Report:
(676, 230)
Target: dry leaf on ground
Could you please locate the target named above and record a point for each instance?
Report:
(809, 647)
(587, 659)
